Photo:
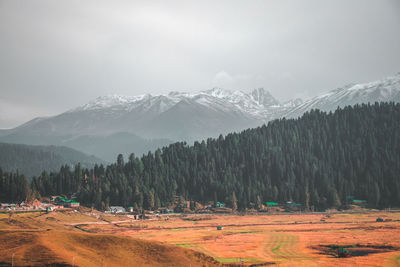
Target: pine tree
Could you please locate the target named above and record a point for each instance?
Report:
(150, 201)
(234, 202)
(259, 203)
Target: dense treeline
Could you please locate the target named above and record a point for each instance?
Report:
(317, 160)
(13, 187)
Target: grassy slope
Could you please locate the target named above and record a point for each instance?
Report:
(36, 240)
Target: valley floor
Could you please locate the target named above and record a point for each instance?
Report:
(87, 238)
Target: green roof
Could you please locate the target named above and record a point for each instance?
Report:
(294, 204)
(272, 204)
(220, 204)
(66, 200)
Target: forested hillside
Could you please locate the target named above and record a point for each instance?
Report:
(32, 160)
(317, 160)
(13, 187)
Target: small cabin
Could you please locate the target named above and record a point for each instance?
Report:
(117, 209)
(50, 208)
(73, 204)
(359, 202)
(271, 204)
(220, 205)
(166, 211)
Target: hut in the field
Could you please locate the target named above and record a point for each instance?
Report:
(220, 205)
(293, 206)
(72, 204)
(271, 204)
(117, 209)
(62, 201)
(359, 202)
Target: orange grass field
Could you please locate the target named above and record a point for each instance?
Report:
(80, 239)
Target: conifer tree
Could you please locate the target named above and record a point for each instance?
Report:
(234, 202)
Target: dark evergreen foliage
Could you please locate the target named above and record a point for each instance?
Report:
(13, 187)
(317, 160)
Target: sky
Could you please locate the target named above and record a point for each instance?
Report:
(57, 55)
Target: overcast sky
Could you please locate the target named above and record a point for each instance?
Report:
(56, 55)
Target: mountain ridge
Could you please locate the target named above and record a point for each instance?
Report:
(383, 90)
(183, 116)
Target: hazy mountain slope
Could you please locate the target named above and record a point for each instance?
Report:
(105, 147)
(190, 120)
(32, 160)
(108, 147)
(143, 114)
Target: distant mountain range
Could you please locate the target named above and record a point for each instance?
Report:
(115, 124)
(383, 90)
(32, 160)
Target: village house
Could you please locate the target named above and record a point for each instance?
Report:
(166, 211)
(61, 201)
(271, 204)
(7, 206)
(117, 209)
(71, 204)
(220, 205)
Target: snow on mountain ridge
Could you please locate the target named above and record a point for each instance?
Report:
(253, 103)
(110, 101)
(188, 116)
(256, 104)
(387, 89)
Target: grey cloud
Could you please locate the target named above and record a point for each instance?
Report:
(56, 55)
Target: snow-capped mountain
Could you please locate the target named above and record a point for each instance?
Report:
(254, 104)
(181, 116)
(385, 90)
(176, 116)
(148, 121)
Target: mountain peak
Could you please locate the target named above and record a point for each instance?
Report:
(263, 97)
(218, 92)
